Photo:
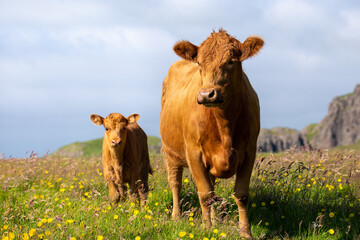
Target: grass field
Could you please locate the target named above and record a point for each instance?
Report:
(294, 195)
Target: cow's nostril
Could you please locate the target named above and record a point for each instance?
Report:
(212, 94)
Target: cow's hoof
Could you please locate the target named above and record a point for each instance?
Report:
(175, 215)
(245, 235)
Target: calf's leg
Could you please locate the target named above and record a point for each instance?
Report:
(114, 195)
(143, 190)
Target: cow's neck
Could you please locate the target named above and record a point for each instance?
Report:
(224, 127)
(226, 118)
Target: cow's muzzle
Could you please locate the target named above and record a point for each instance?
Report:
(210, 96)
(116, 142)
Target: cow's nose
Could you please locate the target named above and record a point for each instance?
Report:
(209, 96)
(116, 142)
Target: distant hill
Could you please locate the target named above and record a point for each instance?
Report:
(94, 148)
(280, 139)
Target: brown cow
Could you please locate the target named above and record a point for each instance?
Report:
(210, 120)
(125, 156)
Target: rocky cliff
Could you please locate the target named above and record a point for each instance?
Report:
(340, 127)
(342, 124)
(280, 139)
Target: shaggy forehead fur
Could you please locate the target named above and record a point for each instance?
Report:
(218, 48)
(115, 119)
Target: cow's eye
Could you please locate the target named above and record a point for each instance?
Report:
(231, 61)
(106, 129)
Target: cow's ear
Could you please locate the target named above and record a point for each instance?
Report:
(186, 50)
(251, 47)
(96, 119)
(133, 118)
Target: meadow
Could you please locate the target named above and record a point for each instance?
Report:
(297, 194)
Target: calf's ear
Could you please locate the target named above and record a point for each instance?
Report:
(96, 119)
(133, 118)
(250, 47)
(186, 50)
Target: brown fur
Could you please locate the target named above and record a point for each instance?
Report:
(125, 156)
(214, 139)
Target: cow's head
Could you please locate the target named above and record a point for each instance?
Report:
(115, 127)
(219, 58)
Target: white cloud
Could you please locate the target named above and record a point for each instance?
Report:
(351, 29)
(306, 61)
(50, 12)
(116, 38)
(294, 13)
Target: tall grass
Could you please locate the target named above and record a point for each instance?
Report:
(294, 195)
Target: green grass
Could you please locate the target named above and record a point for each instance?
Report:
(293, 195)
(311, 132)
(355, 146)
(94, 148)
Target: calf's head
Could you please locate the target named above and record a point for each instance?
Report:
(219, 59)
(115, 127)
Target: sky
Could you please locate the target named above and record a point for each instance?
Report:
(62, 60)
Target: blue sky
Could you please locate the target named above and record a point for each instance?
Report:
(61, 61)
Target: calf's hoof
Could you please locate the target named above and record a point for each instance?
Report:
(114, 198)
(206, 224)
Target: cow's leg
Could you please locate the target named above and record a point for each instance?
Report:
(212, 210)
(204, 185)
(175, 181)
(242, 193)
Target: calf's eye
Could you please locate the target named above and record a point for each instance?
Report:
(106, 129)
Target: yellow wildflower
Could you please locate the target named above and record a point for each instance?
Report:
(32, 232)
(215, 231)
(182, 234)
(25, 236)
(331, 231)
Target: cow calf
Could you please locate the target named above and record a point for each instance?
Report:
(125, 156)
